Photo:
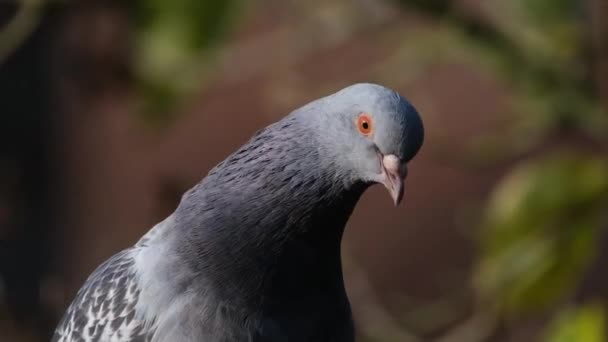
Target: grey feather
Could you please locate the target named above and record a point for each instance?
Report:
(252, 253)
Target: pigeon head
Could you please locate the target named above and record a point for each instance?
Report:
(265, 225)
(370, 132)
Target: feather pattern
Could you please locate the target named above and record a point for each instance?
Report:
(104, 309)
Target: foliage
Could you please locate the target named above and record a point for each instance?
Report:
(540, 49)
(543, 222)
(576, 324)
(543, 219)
(173, 44)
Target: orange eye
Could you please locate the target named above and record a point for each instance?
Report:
(364, 123)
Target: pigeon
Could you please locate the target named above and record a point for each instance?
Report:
(252, 252)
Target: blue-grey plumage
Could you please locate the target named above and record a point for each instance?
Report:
(252, 253)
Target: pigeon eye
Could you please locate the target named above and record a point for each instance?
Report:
(364, 124)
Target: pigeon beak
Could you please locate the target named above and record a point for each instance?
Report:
(394, 172)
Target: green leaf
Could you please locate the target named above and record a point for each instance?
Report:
(172, 42)
(583, 324)
(540, 231)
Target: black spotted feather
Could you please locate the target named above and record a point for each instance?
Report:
(104, 308)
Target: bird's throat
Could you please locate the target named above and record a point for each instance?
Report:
(275, 257)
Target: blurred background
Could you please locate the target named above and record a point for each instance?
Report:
(110, 110)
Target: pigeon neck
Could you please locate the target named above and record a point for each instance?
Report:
(307, 265)
(283, 255)
(266, 223)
